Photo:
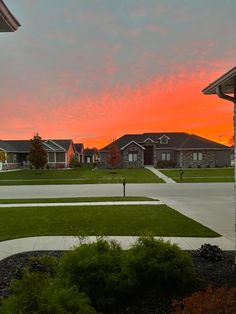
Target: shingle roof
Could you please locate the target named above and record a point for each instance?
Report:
(195, 141)
(177, 140)
(90, 151)
(79, 147)
(63, 143)
(20, 146)
(23, 146)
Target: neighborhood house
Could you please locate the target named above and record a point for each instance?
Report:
(16, 152)
(177, 149)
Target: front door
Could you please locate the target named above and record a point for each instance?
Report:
(148, 155)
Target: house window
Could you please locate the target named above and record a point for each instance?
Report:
(14, 159)
(132, 157)
(197, 156)
(164, 139)
(165, 156)
(51, 157)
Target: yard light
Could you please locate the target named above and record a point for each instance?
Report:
(124, 183)
(222, 87)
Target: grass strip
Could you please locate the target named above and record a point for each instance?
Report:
(75, 199)
(122, 220)
(201, 175)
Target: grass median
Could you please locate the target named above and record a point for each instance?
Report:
(201, 175)
(83, 175)
(119, 220)
(76, 199)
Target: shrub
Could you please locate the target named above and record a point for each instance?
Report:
(160, 265)
(39, 293)
(74, 163)
(97, 269)
(42, 264)
(210, 301)
(209, 252)
(165, 164)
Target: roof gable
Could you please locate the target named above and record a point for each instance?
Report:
(164, 139)
(148, 140)
(79, 147)
(132, 142)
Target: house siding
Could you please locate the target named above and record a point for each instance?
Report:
(223, 158)
(158, 155)
(132, 148)
(186, 159)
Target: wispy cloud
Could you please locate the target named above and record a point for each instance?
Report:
(115, 67)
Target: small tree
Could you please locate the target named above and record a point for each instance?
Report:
(2, 156)
(38, 155)
(113, 155)
(74, 163)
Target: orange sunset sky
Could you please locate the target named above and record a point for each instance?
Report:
(95, 70)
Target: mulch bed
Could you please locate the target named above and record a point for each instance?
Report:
(218, 274)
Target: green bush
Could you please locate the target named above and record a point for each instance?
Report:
(159, 265)
(100, 272)
(97, 269)
(39, 293)
(43, 264)
(165, 164)
(74, 163)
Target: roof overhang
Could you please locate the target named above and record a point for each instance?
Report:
(8, 23)
(132, 142)
(226, 83)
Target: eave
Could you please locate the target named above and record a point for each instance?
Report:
(8, 23)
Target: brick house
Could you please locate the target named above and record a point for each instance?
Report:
(175, 149)
(16, 152)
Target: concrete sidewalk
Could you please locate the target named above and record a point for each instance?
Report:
(83, 204)
(160, 174)
(11, 247)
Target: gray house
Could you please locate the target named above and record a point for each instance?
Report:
(16, 152)
(169, 149)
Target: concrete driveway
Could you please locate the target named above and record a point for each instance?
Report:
(212, 204)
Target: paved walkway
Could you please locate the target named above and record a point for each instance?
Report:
(160, 174)
(11, 247)
(83, 204)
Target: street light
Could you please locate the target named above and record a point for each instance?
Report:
(222, 87)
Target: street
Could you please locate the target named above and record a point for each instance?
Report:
(211, 204)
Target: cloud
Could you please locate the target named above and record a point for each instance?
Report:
(115, 67)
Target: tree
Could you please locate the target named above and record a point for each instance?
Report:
(74, 163)
(2, 156)
(113, 155)
(38, 155)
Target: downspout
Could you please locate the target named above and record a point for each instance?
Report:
(233, 99)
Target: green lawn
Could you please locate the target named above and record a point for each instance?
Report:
(77, 176)
(75, 199)
(202, 174)
(98, 220)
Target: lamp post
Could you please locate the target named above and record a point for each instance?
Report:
(222, 87)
